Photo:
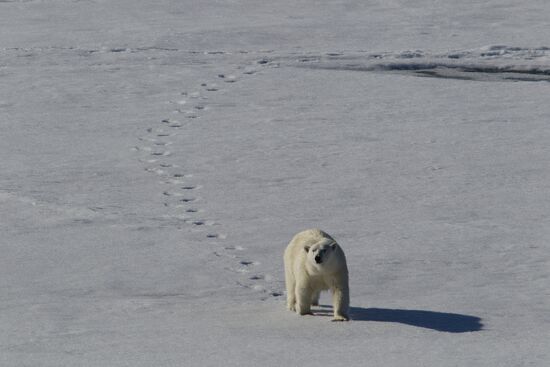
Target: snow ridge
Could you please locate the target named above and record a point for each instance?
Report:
(490, 63)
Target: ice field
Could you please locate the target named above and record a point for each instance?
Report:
(157, 157)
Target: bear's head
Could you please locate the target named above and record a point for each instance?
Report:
(323, 256)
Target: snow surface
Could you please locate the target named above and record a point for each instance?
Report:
(157, 157)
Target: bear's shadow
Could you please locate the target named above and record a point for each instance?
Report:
(439, 321)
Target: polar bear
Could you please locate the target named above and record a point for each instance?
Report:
(315, 262)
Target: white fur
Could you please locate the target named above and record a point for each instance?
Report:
(305, 278)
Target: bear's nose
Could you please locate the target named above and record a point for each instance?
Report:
(318, 259)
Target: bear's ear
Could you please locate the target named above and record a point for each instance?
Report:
(333, 246)
(306, 248)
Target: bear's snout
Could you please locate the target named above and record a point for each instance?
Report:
(318, 259)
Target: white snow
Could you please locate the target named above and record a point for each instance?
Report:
(157, 157)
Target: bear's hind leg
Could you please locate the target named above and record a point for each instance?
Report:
(315, 298)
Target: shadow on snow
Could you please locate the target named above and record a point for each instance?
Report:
(439, 321)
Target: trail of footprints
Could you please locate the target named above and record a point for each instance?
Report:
(181, 192)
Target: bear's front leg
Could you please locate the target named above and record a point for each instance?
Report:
(303, 300)
(340, 303)
(290, 291)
